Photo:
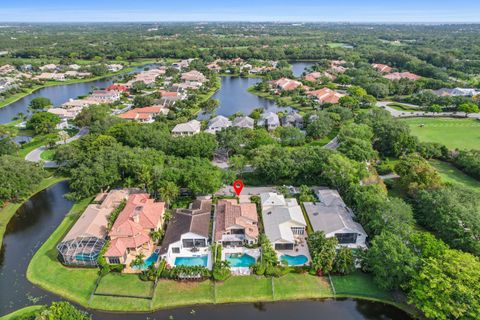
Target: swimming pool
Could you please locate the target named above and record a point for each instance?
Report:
(147, 262)
(299, 260)
(192, 261)
(237, 260)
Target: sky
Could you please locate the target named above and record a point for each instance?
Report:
(260, 10)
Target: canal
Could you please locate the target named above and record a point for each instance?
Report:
(37, 219)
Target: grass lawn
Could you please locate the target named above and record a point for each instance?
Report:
(36, 142)
(452, 175)
(171, 293)
(301, 286)
(244, 289)
(359, 284)
(453, 133)
(120, 304)
(402, 107)
(7, 212)
(24, 312)
(124, 284)
(46, 271)
(47, 154)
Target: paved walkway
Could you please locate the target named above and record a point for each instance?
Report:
(333, 144)
(34, 155)
(405, 114)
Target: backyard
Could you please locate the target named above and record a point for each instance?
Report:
(453, 133)
(451, 174)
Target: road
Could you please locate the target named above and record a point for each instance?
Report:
(34, 155)
(405, 114)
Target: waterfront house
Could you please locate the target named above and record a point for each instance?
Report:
(335, 219)
(82, 103)
(114, 67)
(217, 124)
(315, 76)
(193, 77)
(105, 96)
(292, 119)
(187, 129)
(235, 224)
(243, 122)
(325, 95)
(66, 113)
(144, 115)
(269, 120)
(188, 232)
(83, 243)
(130, 234)
(51, 76)
(285, 84)
(283, 221)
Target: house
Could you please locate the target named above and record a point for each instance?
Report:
(117, 87)
(66, 113)
(193, 77)
(269, 120)
(51, 76)
(188, 232)
(148, 77)
(105, 96)
(337, 66)
(183, 64)
(243, 122)
(144, 115)
(76, 74)
(74, 66)
(335, 219)
(187, 129)
(7, 68)
(235, 224)
(114, 67)
(286, 84)
(325, 95)
(383, 68)
(315, 76)
(283, 221)
(83, 243)
(292, 119)
(465, 92)
(48, 67)
(82, 103)
(402, 75)
(130, 233)
(217, 124)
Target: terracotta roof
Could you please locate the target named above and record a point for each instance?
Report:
(230, 214)
(326, 95)
(287, 84)
(382, 67)
(401, 75)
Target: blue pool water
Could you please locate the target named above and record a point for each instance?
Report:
(244, 260)
(148, 262)
(192, 261)
(299, 260)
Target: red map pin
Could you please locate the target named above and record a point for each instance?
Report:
(238, 186)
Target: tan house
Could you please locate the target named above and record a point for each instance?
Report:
(326, 95)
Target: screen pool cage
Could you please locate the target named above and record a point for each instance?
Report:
(81, 251)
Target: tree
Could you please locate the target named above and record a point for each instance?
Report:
(320, 126)
(43, 122)
(416, 173)
(138, 261)
(349, 102)
(344, 261)
(7, 146)
(392, 262)
(448, 287)
(468, 107)
(61, 311)
(142, 101)
(39, 104)
(237, 163)
(290, 136)
(168, 192)
(435, 108)
(18, 177)
(323, 252)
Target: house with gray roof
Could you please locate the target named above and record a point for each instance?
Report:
(292, 119)
(187, 129)
(217, 124)
(243, 122)
(335, 219)
(269, 120)
(283, 221)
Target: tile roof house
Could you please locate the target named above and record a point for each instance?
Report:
(283, 220)
(402, 75)
(66, 113)
(193, 77)
(464, 92)
(82, 244)
(105, 96)
(235, 224)
(131, 231)
(187, 129)
(325, 95)
(269, 120)
(7, 68)
(144, 115)
(243, 122)
(315, 76)
(217, 124)
(48, 67)
(117, 87)
(187, 231)
(51, 76)
(286, 84)
(383, 68)
(335, 219)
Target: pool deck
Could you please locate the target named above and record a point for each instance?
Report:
(187, 253)
(240, 271)
(300, 249)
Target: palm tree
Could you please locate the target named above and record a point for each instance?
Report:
(156, 235)
(168, 191)
(138, 260)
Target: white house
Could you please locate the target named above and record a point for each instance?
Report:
(188, 233)
(244, 122)
(335, 219)
(269, 120)
(283, 221)
(218, 123)
(187, 129)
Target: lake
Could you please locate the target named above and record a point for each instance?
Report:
(298, 67)
(39, 217)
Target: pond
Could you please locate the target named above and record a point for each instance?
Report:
(58, 95)
(298, 67)
(38, 218)
(234, 97)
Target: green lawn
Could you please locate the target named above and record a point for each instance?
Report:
(402, 107)
(452, 175)
(46, 271)
(24, 312)
(124, 284)
(172, 293)
(244, 289)
(47, 154)
(7, 212)
(35, 143)
(359, 284)
(301, 286)
(453, 133)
